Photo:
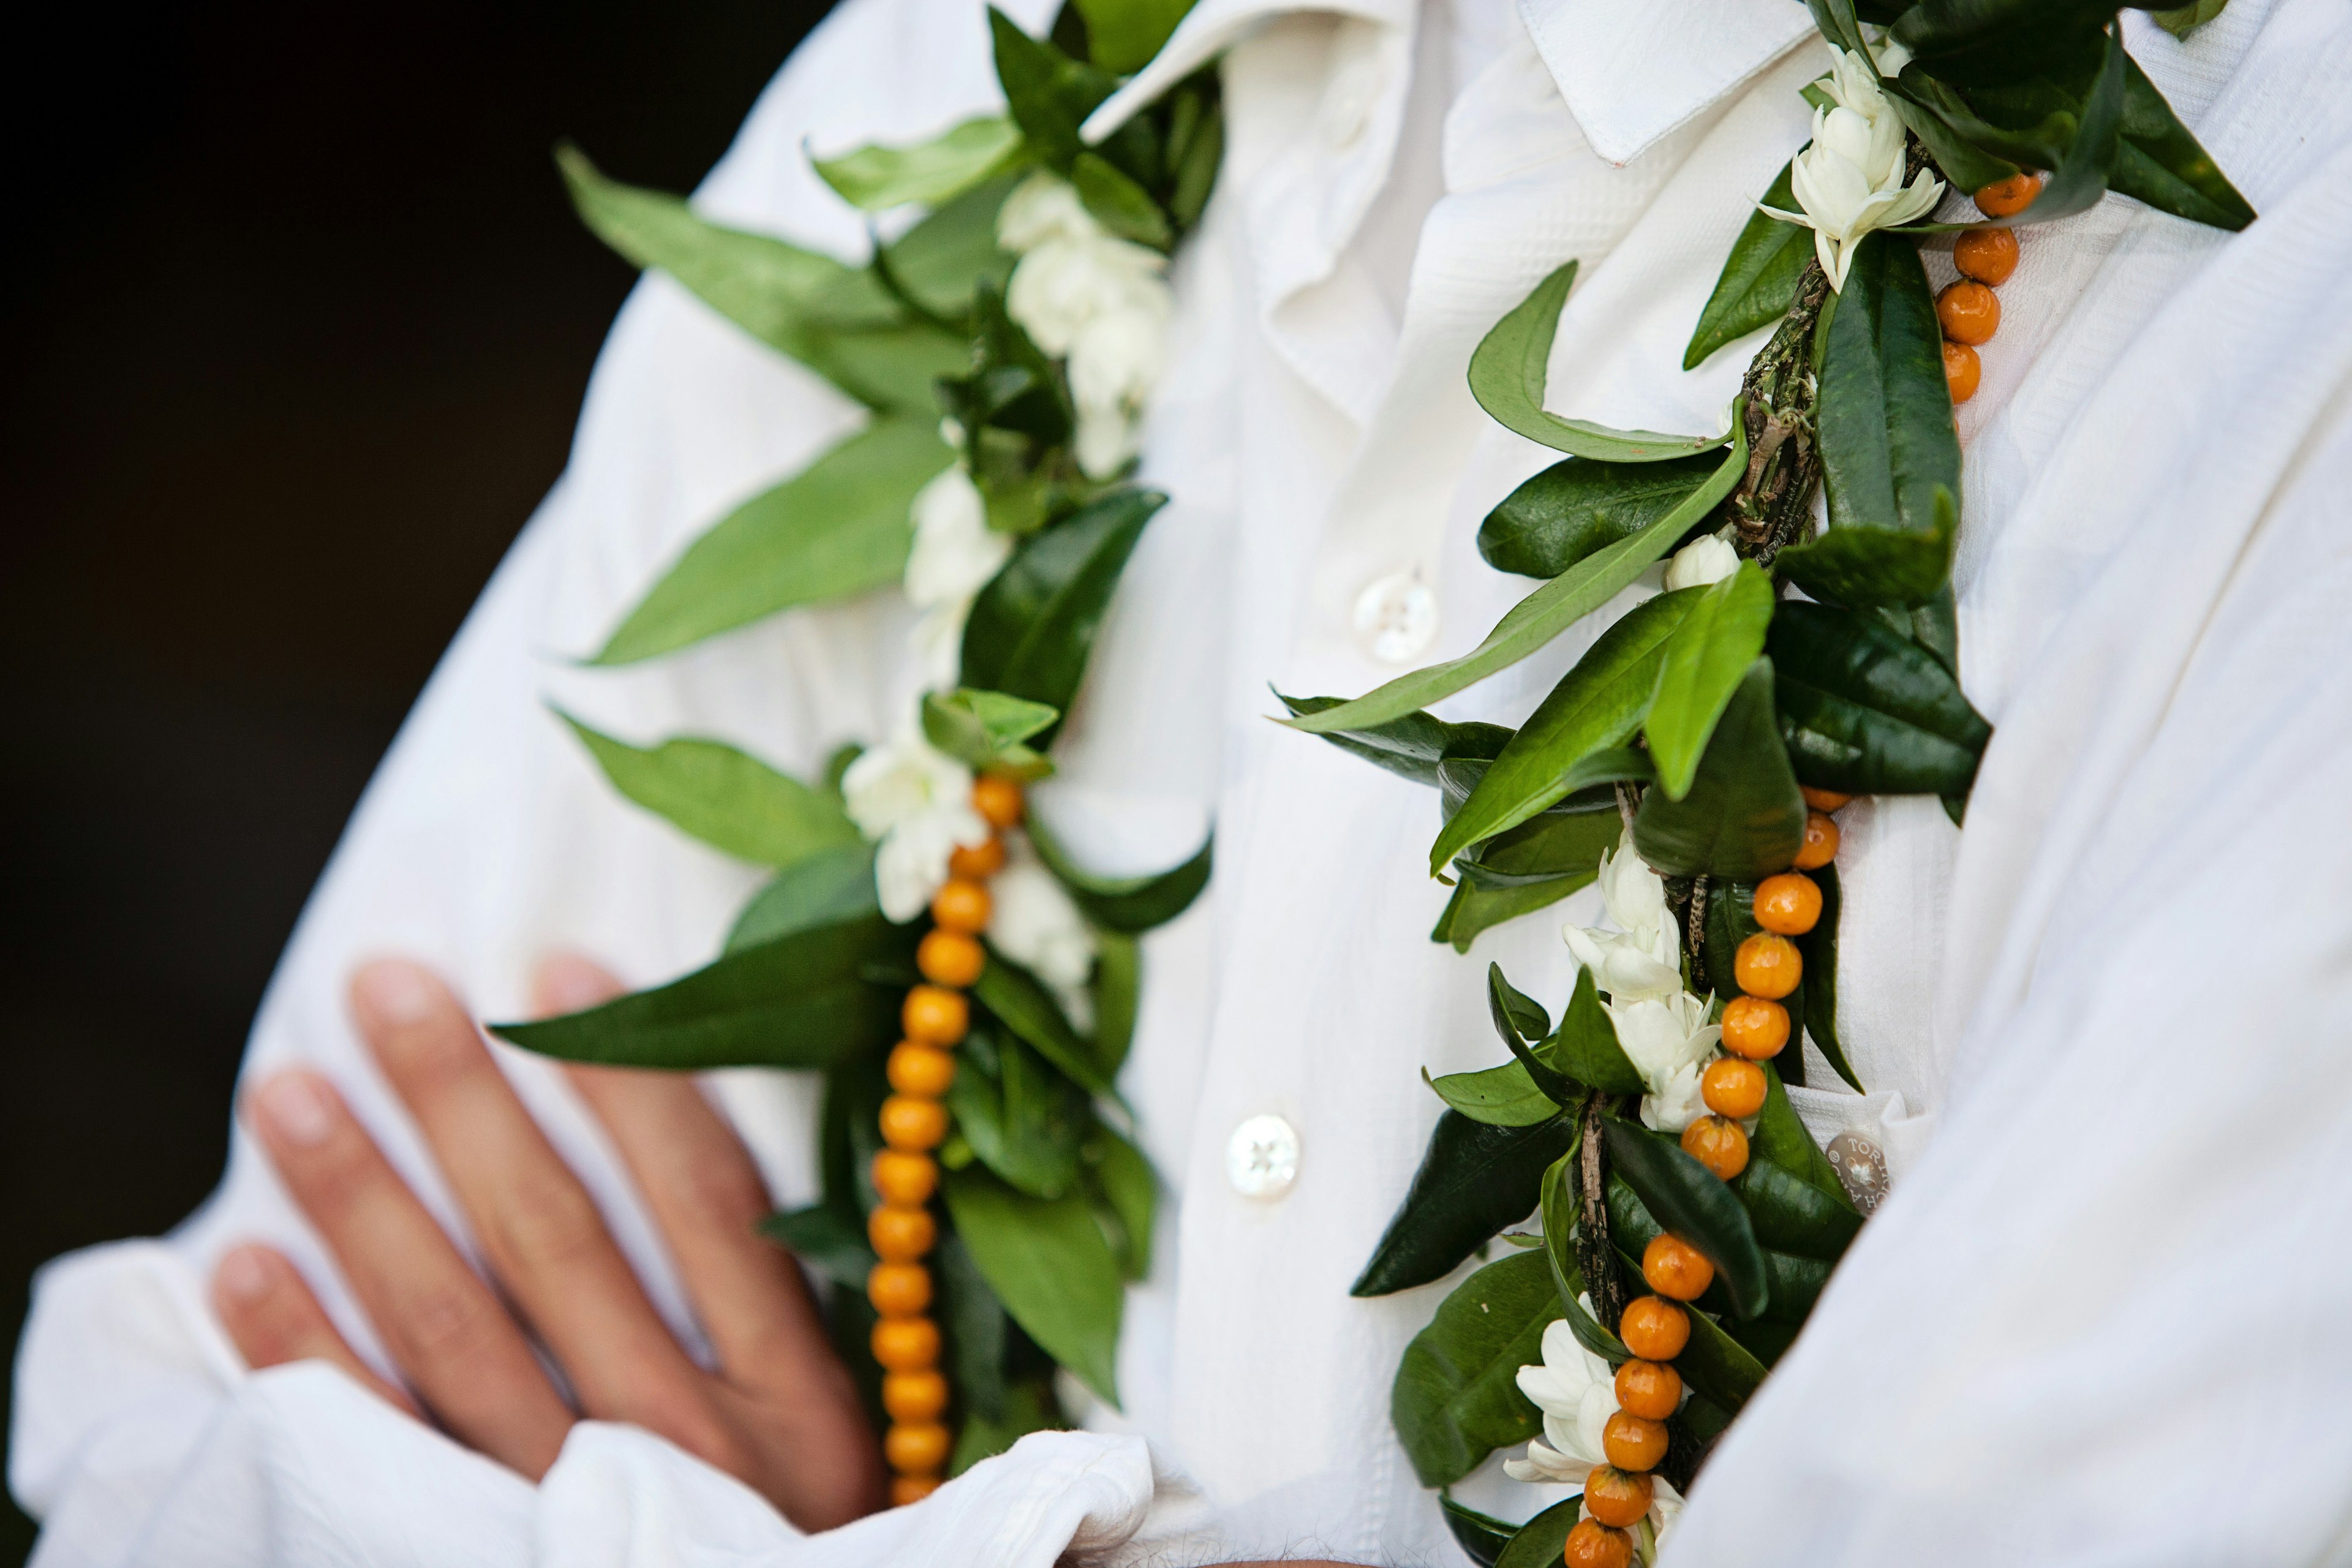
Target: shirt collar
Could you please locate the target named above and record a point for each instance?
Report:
(1632, 73)
(1207, 30)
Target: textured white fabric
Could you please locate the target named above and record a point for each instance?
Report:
(2099, 1321)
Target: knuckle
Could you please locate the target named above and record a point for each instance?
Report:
(549, 1224)
(445, 1323)
(718, 1183)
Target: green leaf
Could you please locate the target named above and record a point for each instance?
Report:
(730, 801)
(1743, 817)
(1482, 1535)
(1885, 416)
(1586, 1047)
(1563, 838)
(1126, 1187)
(1197, 157)
(1560, 1219)
(2085, 170)
(2161, 164)
(1718, 1366)
(980, 1337)
(839, 527)
(1867, 566)
(1540, 1540)
(1499, 1097)
(1049, 93)
(1838, 24)
(1023, 1004)
(1867, 711)
(1127, 904)
(1032, 627)
(1792, 1216)
(1685, 1198)
(1473, 909)
(1410, 746)
(1123, 207)
(1703, 661)
(1006, 384)
(1819, 949)
(985, 729)
(1996, 40)
(1021, 1118)
(1048, 1262)
(1759, 281)
(1577, 505)
(797, 1002)
(822, 1237)
(1474, 1181)
(877, 178)
(1542, 616)
(829, 888)
(1518, 1017)
(1511, 364)
(1118, 982)
(1028, 1406)
(2186, 19)
(1780, 1137)
(1937, 114)
(1457, 1397)
(943, 261)
(1125, 34)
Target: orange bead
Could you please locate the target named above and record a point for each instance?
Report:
(904, 1490)
(949, 958)
(916, 1126)
(914, 1396)
(923, 1071)
(1825, 799)
(978, 864)
(920, 1449)
(1767, 965)
(1633, 1444)
(1651, 1390)
(1821, 845)
(901, 1234)
(1987, 255)
(1653, 1329)
(1678, 1270)
(904, 1179)
(1962, 371)
(935, 1015)
(997, 798)
(2007, 199)
(1716, 1141)
(899, 1290)
(907, 1344)
(1592, 1544)
(1616, 1497)
(961, 906)
(1969, 311)
(1754, 1028)
(1789, 903)
(1734, 1087)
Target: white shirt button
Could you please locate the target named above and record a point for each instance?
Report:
(1396, 617)
(1262, 1160)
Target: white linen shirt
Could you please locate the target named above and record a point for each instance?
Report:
(2102, 1316)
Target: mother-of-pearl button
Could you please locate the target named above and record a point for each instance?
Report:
(1397, 617)
(1262, 1159)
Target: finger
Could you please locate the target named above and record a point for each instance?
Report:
(707, 1198)
(274, 1320)
(540, 1231)
(443, 1328)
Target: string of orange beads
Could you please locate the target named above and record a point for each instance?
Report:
(914, 1123)
(1968, 311)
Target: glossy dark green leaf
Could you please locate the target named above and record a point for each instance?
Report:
(1935, 113)
(1586, 1047)
(1743, 819)
(1864, 566)
(1596, 708)
(1032, 627)
(1474, 1180)
(1791, 1216)
(1718, 1366)
(1129, 1189)
(1819, 949)
(828, 887)
(1456, 1397)
(2186, 19)
(822, 1237)
(798, 1001)
(837, 528)
(1048, 1262)
(1506, 1096)
(1684, 1197)
(1567, 838)
(1759, 281)
(877, 177)
(1127, 904)
(1543, 614)
(1050, 94)
(1866, 711)
(1028, 1405)
(1125, 34)
(1481, 1535)
(1540, 1541)
(1123, 207)
(1023, 1120)
(1408, 746)
(1473, 909)
(1996, 40)
(943, 261)
(1838, 24)
(2161, 164)
(1024, 1005)
(979, 1336)
(730, 800)
(1117, 985)
(1511, 364)
(1518, 1017)
(1885, 412)
(1196, 158)
(1577, 505)
(1004, 383)
(1559, 1225)
(2083, 171)
(1702, 663)
(1780, 1137)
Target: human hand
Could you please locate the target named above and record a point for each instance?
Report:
(779, 1413)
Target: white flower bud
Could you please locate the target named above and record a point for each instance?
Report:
(915, 802)
(1705, 561)
(1850, 181)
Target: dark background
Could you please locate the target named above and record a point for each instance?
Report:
(296, 325)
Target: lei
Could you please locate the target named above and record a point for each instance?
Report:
(1692, 760)
(910, 901)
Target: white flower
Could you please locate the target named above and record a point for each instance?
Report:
(915, 802)
(1676, 1103)
(1042, 208)
(1033, 922)
(1643, 957)
(1850, 181)
(955, 553)
(1705, 561)
(1578, 1394)
(1114, 365)
(1669, 1041)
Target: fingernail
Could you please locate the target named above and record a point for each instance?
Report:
(569, 983)
(395, 992)
(243, 1276)
(298, 1108)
